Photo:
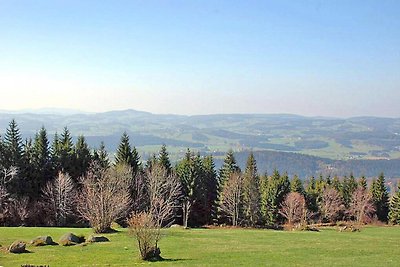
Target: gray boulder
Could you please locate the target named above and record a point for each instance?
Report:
(94, 239)
(69, 239)
(17, 247)
(42, 241)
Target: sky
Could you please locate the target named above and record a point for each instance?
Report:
(314, 58)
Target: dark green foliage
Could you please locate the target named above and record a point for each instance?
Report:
(362, 183)
(349, 185)
(83, 157)
(228, 167)
(66, 156)
(127, 155)
(101, 156)
(210, 190)
(274, 190)
(13, 145)
(311, 195)
(163, 159)
(251, 193)
(394, 207)
(189, 172)
(380, 197)
(296, 185)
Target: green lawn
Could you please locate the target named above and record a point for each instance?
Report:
(373, 246)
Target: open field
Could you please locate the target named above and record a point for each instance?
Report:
(373, 246)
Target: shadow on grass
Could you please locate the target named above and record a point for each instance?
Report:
(160, 259)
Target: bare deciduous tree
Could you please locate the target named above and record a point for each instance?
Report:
(331, 205)
(147, 233)
(20, 210)
(163, 192)
(293, 208)
(231, 197)
(105, 196)
(59, 197)
(362, 206)
(7, 176)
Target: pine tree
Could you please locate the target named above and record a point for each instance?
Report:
(362, 183)
(55, 154)
(41, 161)
(229, 166)
(66, 152)
(102, 156)
(28, 171)
(394, 207)
(189, 174)
(251, 193)
(163, 159)
(127, 155)
(380, 197)
(274, 191)
(83, 157)
(312, 195)
(296, 185)
(210, 183)
(13, 145)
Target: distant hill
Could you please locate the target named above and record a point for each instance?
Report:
(328, 139)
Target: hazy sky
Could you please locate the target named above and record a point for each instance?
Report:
(329, 58)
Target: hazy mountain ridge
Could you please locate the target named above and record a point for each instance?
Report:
(328, 138)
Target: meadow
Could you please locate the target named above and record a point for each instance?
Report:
(373, 246)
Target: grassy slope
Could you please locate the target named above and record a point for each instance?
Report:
(374, 246)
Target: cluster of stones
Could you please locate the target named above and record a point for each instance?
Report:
(68, 239)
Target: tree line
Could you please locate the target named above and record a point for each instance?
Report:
(67, 183)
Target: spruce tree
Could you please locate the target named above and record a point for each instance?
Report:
(394, 207)
(102, 156)
(210, 183)
(42, 161)
(275, 191)
(66, 152)
(163, 159)
(380, 197)
(229, 166)
(296, 185)
(127, 155)
(83, 157)
(312, 195)
(362, 183)
(28, 172)
(13, 145)
(251, 193)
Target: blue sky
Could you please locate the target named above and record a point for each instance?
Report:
(317, 58)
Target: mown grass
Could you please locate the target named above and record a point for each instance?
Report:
(373, 246)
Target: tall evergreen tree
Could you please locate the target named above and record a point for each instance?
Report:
(228, 167)
(380, 197)
(83, 157)
(210, 188)
(41, 161)
(13, 145)
(55, 154)
(296, 185)
(28, 171)
(312, 195)
(251, 192)
(66, 153)
(276, 188)
(127, 155)
(394, 207)
(102, 156)
(189, 173)
(362, 183)
(163, 159)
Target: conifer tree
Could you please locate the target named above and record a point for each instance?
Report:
(394, 207)
(55, 154)
(312, 195)
(127, 155)
(66, 152)
(229, 166)
(83, 157)
(210, 185)
(102, 156)
(276, 188)
(28, 172)
(362, 183)
(13, 145)
(189, 174)
(296, 185)
(380, 197)
(251, 193)
(163, 159)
